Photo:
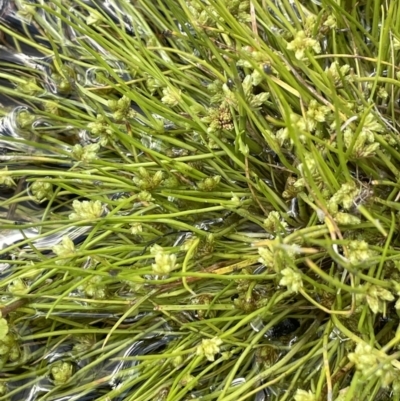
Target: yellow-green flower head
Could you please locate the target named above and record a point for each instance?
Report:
(172, 97)
(209, 348)
(291, 279)
(363, 357)
(3, 328)
(86, 210)
(94, 288)
(376, 297)
(41, 190)
(6, 179)
(371, 362)
(61, 372)
(267, 256)
(164, 263)
(273, 222)
(346, 219)
(359, 252)
(330, 22)
(209, 183)
(17, 287)
(136, 228)
(317, 112)
(301, 43)
(335, 71)
(86, 153)
(64, 250)
(303, 395)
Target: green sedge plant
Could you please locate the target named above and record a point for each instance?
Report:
(200, 200)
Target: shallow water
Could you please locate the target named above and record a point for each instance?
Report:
(36, 134)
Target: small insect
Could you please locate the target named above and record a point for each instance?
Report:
(283, 328)
(267, 69)
(167, 33)
(230, 83)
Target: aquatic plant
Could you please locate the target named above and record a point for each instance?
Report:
(199, 200)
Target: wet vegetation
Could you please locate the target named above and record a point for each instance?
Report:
(199, 199)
